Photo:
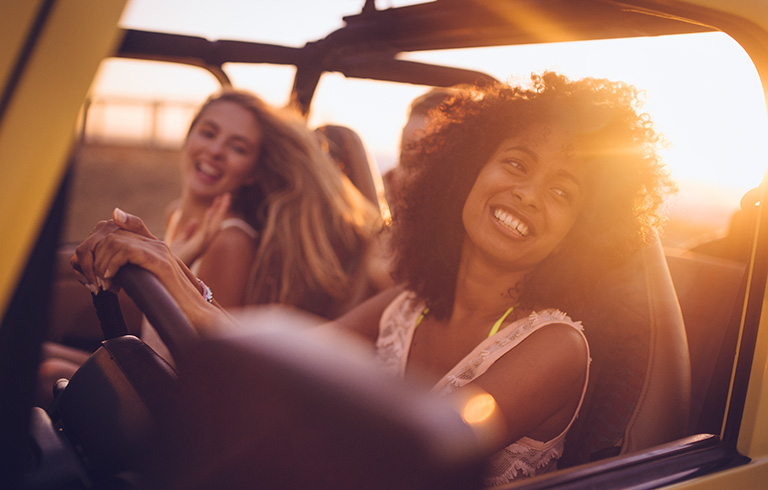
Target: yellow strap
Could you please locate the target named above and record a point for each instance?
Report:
(421, 317)
(494, 329)
(498, 322)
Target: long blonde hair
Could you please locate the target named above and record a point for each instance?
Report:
(313, 222)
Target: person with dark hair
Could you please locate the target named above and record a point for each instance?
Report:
(420, 111)
(624, 185)
(518, 199)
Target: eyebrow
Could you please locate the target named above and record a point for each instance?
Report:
(523, 149)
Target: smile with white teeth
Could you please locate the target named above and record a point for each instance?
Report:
(209, 170)
(511, 222)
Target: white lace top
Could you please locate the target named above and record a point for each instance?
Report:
(525, 457)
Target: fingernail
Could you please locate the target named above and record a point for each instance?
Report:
(90, 287)
(119, 215)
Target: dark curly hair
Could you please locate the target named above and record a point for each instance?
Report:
(624, 191)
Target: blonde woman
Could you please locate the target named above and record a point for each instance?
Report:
(295, 229)
(265, 216)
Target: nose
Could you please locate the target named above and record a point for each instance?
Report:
(528, 193)
(216, 146)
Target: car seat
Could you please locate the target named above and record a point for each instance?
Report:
(640, 380)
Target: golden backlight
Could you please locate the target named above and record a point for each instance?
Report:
(702, 91)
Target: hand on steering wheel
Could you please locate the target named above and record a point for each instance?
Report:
(126, 240)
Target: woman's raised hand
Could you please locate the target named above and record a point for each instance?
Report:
(192, 242)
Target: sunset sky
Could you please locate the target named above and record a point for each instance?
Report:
(701, 90)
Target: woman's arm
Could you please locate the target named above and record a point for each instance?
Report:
(363, 320)
(537, 386)
(227, 264)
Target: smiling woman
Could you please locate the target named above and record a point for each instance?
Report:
(219, 162)
(546, 170)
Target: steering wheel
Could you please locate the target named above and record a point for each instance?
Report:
(110, 407)
(161, 310)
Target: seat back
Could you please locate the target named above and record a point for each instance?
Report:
(639, 390)
(662, 411)
(711, 291)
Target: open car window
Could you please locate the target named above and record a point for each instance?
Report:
(701, 89)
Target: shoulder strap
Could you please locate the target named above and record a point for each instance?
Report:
(241, 224)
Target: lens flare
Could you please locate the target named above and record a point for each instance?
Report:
(478, 409)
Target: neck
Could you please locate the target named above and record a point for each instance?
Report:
(483, 287)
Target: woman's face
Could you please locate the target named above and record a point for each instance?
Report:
(221, 150)
(526, 198)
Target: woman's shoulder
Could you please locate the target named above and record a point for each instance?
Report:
(548, 316)
(237, 223)
(234, 241)
(551, 324)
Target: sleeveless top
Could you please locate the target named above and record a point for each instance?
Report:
(523, 458)
(173, 223)
(229, 223)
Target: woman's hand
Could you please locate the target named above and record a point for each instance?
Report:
(125, 239)
(192, 242)
(112, 244)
